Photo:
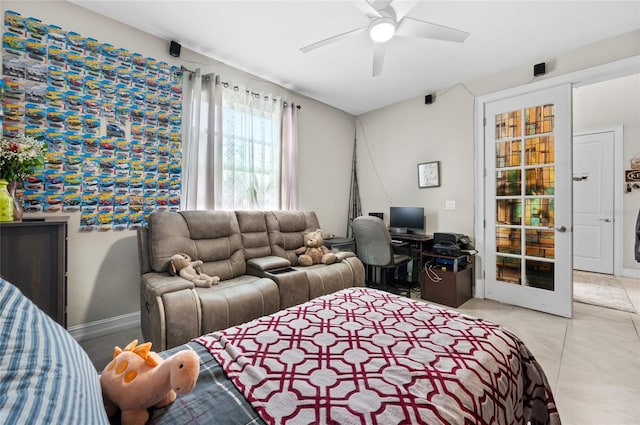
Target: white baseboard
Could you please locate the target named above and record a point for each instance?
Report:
(633, 273)
(105, 326)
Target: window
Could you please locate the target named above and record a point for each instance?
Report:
(251, 148)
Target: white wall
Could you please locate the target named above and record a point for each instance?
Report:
(103, 274)
(608, 104)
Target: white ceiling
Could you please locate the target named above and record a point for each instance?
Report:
(264, 38)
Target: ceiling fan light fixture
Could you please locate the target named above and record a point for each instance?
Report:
(382, 29)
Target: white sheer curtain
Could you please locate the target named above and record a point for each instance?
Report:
(239, 148)
(289, 173)
(200, 121)
(251, 148)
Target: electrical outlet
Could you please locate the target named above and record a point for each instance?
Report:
(450, 205)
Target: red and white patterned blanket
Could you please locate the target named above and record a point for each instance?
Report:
(365, 356)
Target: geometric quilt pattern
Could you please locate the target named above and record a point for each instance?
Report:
(363, 356)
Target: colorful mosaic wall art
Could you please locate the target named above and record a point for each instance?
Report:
(111, 120)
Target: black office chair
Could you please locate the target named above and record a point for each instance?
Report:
(374, 248)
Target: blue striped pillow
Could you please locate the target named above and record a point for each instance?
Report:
(45, 376)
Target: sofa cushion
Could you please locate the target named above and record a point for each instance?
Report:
(210, 236)
(286, 230)
(168, 234)
(253, 230)
(325, 280)
(236, 301)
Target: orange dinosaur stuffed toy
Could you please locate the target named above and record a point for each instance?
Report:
(138, 378)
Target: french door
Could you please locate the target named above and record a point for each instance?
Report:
(528, 204)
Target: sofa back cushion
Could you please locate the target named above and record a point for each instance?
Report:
(253, 231)
(210, 236)
(286, 230)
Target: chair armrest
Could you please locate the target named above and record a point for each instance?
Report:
(257, 266)
(158, 284)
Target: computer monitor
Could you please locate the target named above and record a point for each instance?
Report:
(406, 219)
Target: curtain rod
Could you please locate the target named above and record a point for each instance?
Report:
(226, 84)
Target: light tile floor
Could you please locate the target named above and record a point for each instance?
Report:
(592, 361)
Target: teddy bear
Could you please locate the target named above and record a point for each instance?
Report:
(313, 251)
(181, 264)
(137, 379)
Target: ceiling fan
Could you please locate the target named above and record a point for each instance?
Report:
(386, 20)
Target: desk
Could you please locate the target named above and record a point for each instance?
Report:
(419, 244)
(340, 244)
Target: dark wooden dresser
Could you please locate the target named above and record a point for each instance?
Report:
(33, 257)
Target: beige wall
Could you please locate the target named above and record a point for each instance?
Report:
(393, 140)
(608, 104)
(103, 267)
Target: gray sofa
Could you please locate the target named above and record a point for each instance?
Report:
(253, 253)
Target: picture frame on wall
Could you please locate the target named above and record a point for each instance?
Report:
(429, 174)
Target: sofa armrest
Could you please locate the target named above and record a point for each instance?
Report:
(158, 284)
(257, 266)
(341, 255)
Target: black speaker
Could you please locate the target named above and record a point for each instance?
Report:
(174, 49)
(377, 214)
(429, 99)
(539, 69)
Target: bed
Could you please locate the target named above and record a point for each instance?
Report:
(362, 355)
(355, 356)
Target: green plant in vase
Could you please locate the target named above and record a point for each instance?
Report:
(20, 157)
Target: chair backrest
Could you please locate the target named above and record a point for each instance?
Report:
(373, 242)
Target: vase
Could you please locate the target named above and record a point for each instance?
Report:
(6, 202)
(18, 208)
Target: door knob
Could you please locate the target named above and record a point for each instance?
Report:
(606, 220)
(560, 229)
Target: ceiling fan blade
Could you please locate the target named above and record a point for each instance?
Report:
(410, 27)
(402, 7)
(380, 4)
(366, 8)
(330, 40)
(378, 57)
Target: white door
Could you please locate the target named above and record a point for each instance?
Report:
(528, 201)
(593, 209)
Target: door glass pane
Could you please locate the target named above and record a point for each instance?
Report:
(508, 154)
(539, 150)
(539, 119)
(509, 125)
(539, 274)
(540, 243)
(508, 183)
(540, 181)
(508, 269)
(539, 212)
(509, 211)
(508, 240)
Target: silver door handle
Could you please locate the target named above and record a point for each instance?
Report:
(606, 220)
(560, 229)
